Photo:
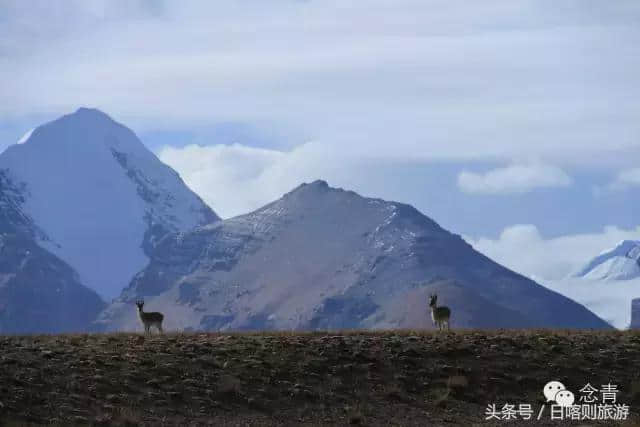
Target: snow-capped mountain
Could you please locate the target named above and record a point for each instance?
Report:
(321, 258)
(38, 291)
(97, 198)
(620, 263)
(607, 283)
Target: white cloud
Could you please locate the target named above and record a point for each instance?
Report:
(226, 177)
(513, 179)
(630, 176)
(408, 79)
(237, 179)
(625, 179)
(522, 249)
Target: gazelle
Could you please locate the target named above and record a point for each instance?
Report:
(439, 315)
(149, 319)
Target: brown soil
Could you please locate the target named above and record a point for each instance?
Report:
(369, 378)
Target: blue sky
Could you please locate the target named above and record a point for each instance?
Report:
(485, 115)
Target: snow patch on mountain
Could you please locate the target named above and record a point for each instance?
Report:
(25, 137)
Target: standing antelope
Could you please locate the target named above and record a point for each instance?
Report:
(149, 319)
(439, 315)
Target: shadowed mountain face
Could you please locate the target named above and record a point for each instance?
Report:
(322, 258)
(38, 292)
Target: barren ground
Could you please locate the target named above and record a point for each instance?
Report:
(368, 378)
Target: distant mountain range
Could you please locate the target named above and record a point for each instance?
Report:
(87, 210)
(619, 263)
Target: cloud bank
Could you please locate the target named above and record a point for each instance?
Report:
(406, 79)
(513, 179)
(236, 179)
(626, 179)
(523, 249)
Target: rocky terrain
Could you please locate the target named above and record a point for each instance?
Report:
(388, 378)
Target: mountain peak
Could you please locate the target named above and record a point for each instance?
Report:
(100, 195)
(320, 187)
(619, 263)
(83, 117)
(625, 246)
(327, 258)
(84, 127)
(90, 116)
(86, 112)
(318, 184)
(89, 110)
(310, 191)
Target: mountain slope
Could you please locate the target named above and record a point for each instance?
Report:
(38, 291)
(321, 258)
(619, 263)
(98, 197)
